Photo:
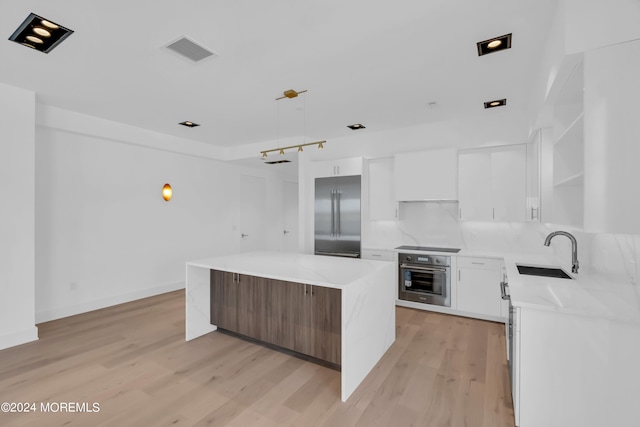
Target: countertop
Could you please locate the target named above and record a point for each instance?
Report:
(588, 294)
(327, 271)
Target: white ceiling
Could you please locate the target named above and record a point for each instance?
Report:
(373, 62)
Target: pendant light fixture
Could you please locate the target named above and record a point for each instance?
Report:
(288, 94)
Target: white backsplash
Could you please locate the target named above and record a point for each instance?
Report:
(437, 224)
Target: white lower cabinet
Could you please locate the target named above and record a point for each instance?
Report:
(478, 287)
(378, 254)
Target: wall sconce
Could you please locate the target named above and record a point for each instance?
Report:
(167, 192)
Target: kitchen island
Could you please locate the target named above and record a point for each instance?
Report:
(365, 289)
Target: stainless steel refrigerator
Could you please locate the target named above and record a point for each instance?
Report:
(337, 216)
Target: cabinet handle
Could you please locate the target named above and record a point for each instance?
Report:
(312, 292)
(338, 169)
(503, 291)
(477, 263)
(493, 213)
(459, 275)
(396, 217)
(460, 213)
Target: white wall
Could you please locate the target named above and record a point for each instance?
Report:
(104, 235)
(17, 247)
(591, 24)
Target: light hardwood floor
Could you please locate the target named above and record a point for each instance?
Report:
(133, 361)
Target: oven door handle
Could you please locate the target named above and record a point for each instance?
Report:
(411, 267)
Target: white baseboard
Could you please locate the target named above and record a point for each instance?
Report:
(19, 337)
(447, 310)
(59, 313)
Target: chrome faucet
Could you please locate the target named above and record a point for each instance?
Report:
(574, 247)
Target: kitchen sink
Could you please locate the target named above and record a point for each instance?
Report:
(531, 270)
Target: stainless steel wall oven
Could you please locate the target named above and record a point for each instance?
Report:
(425, 278)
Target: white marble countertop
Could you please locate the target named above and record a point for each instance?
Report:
(327, 271)
(588, 294)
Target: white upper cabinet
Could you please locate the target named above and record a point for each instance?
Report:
(568, 147)
(382, 202)
(426, 175)
(492, 183)
(474, 185)
(339, 167)
(612, 135)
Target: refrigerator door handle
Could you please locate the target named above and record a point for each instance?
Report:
(333, 213)
(338, 212)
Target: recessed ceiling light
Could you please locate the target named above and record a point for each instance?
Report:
(42, 31)
(53, 35)
(49, 24)
(356, 126)
(34, 39)
(189, 124)
(494, 45)
(496, 103)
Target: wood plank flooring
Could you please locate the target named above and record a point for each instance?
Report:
(133, 361)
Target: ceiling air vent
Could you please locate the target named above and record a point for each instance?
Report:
(187, 49)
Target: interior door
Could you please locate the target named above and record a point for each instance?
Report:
(289, 216)
(253, 205)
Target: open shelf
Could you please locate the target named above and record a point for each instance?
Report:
(574, 133)
(573, 180)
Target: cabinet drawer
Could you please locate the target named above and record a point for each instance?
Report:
(480, 263)
(380, 255)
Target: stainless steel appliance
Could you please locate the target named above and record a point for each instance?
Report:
(425, 278)
(337, 216)
(512, 332)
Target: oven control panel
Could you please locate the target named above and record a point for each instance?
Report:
(437, 260)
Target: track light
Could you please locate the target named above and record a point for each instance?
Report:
(281, 150)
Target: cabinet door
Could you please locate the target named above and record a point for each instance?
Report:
(326, 323)
(250, 292)
(508, 183)
(427, 175)
(382, 203)
(340, 167)
(281, 300)
(349, 166)
(492, 183)
(299, 302)
(533, 177)
(224, 300)
(474, 185)
(478, 286)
